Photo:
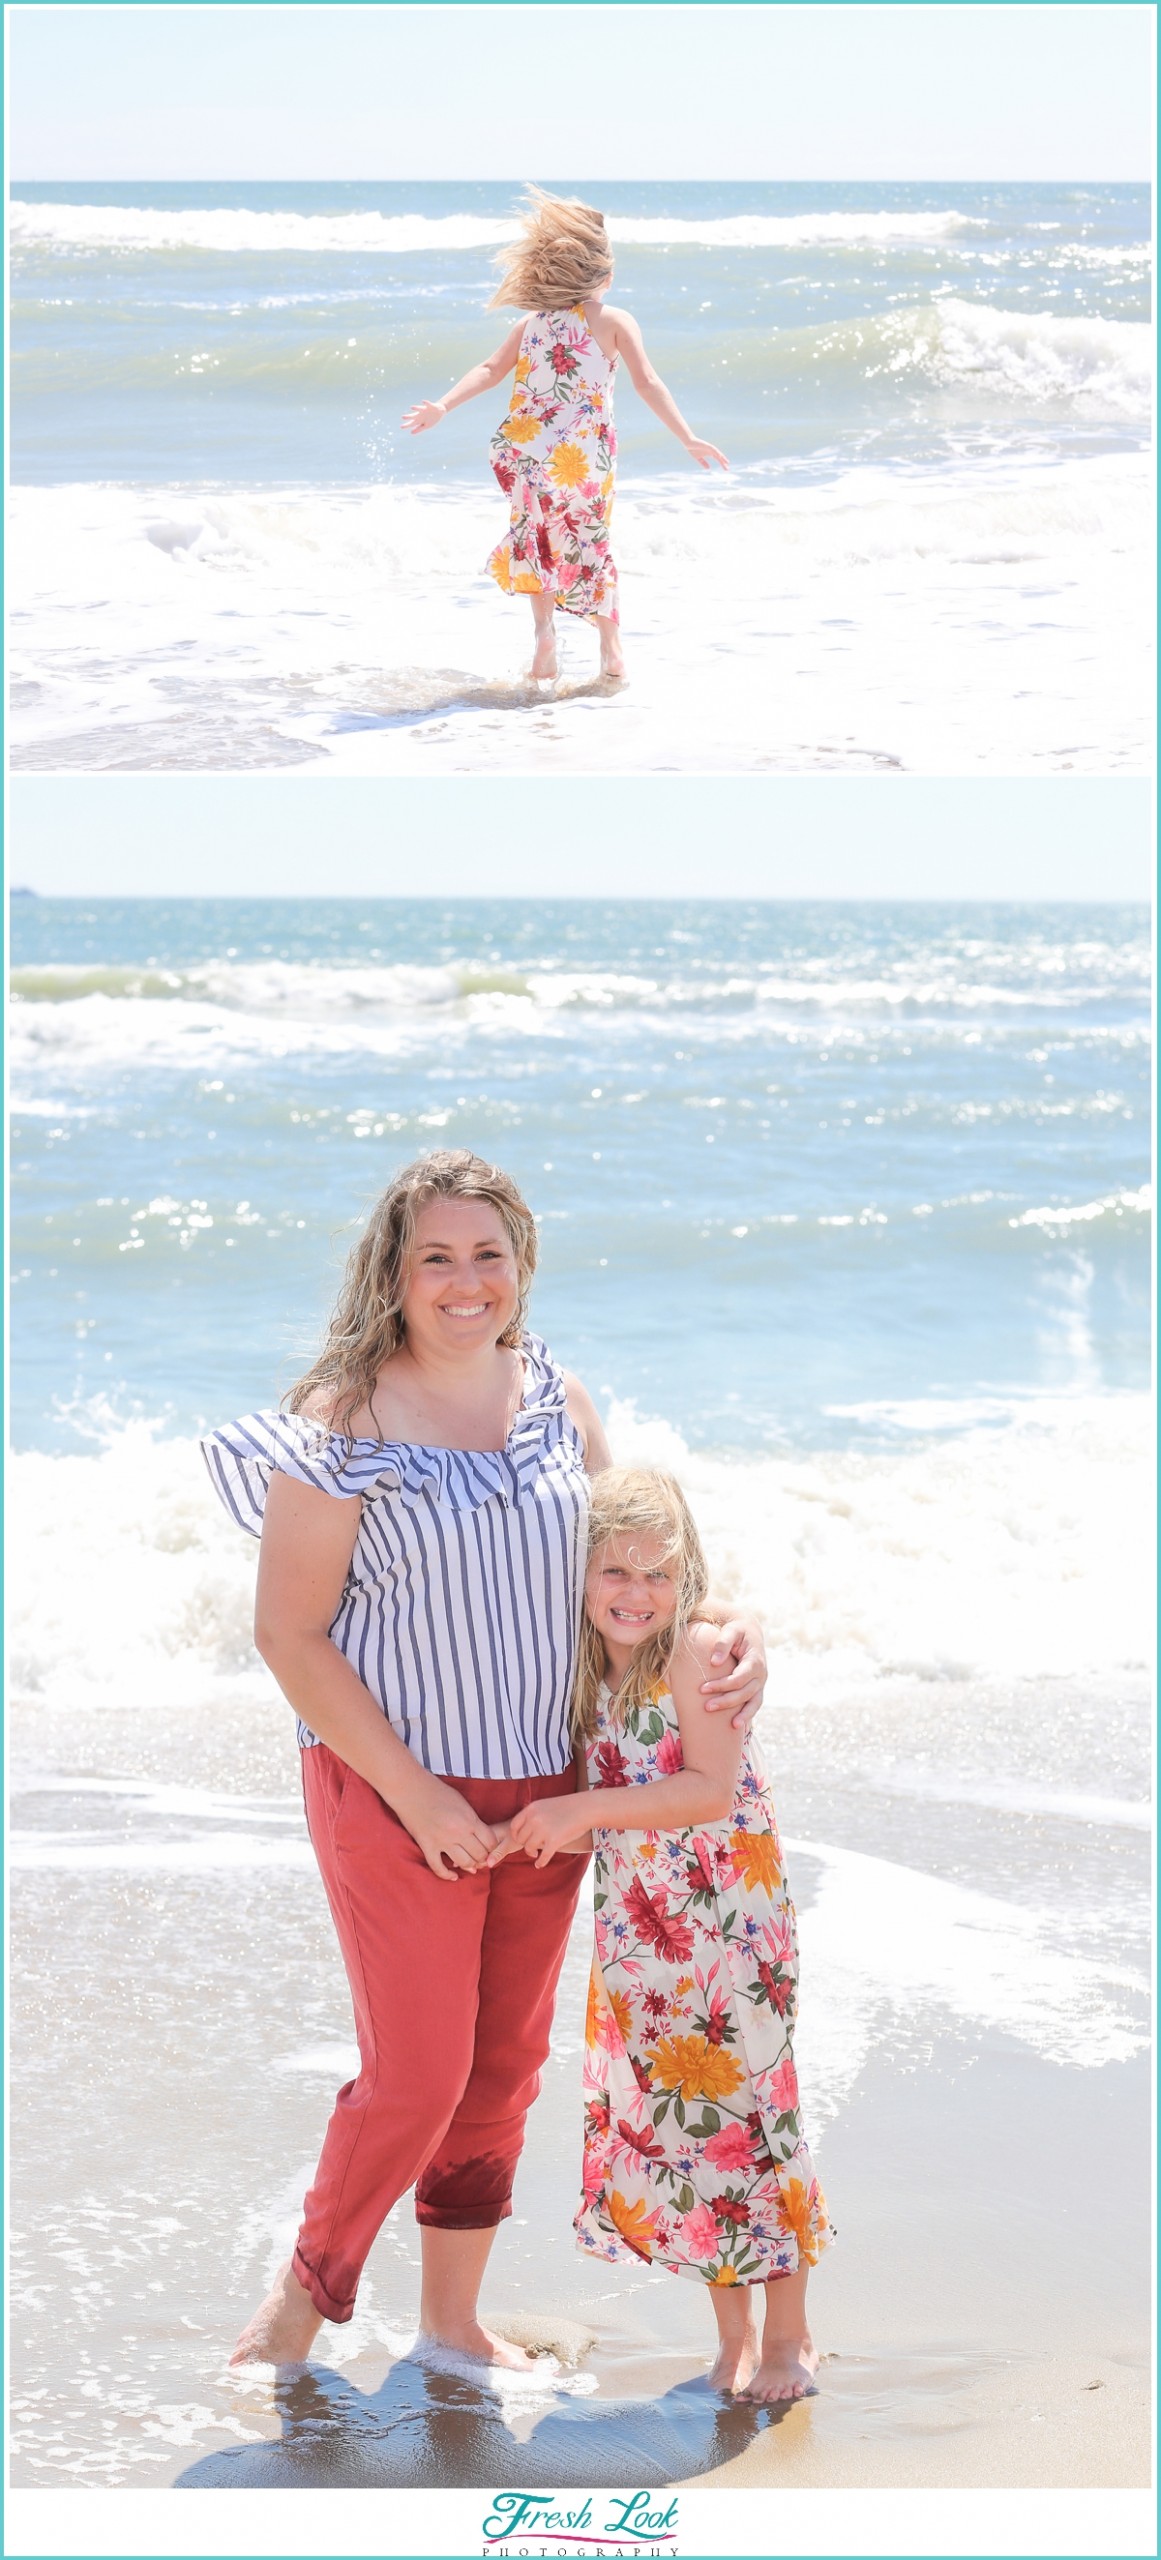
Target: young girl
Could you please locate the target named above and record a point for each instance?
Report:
(694, 2157)
(554, 455)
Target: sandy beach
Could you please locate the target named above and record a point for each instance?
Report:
(184, 2021)
(982, 620)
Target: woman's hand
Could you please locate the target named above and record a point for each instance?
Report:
(742, 1687)
(705, 453)
(451, 1836)
(426, 413)
(505, 1844)
(541, 1829)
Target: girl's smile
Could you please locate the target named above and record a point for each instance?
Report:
(629, 1593)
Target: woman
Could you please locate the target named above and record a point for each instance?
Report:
(422, 1511)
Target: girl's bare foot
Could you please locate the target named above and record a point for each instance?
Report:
(469, 2338)
(737, 2354)
(734, 2363)
(612, 662)
(284, 2328)
(786, 2371)
(543, 667)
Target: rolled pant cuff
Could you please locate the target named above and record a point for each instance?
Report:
(438, 2217)
(323, 2301)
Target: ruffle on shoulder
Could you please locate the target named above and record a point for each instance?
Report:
(242, 1456)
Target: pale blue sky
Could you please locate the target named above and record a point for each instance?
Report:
(315, 835)
(864, 91)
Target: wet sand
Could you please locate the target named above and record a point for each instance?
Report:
(870, 625)
(182, 2022)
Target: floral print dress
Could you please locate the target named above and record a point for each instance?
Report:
(554, 458)
(693, 2154)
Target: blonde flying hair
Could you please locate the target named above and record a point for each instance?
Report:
(628, 1503)
(562, 255)
(367, 1324)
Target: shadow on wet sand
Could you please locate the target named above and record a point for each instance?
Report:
(426, 2429)
(438, 701)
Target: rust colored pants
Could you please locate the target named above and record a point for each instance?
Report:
(453, 1988)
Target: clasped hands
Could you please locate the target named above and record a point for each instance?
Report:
(455, 1840)
(540, 1829)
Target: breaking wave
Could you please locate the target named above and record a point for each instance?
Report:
(236, 229)
(864, 1566)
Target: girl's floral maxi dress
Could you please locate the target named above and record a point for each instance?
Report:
(554, 458)
(693, 2157)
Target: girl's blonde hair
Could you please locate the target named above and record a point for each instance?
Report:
(628, 1503)
(367, 1324)
(561, 256)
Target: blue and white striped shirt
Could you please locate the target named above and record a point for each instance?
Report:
(462, 1604)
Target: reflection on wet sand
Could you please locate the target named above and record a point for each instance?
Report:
(422, 2428)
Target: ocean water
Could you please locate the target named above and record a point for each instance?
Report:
(935, 401)
(844, 1214)
(847, 1203)
(274, 333)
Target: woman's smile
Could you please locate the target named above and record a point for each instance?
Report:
(463, 1273)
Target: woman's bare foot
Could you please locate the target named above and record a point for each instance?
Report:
(469, 2338)
(786, 2371)
(284, 2327)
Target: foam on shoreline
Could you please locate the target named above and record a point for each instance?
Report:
(865, 1565)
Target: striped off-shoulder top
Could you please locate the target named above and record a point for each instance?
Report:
(462, 1604)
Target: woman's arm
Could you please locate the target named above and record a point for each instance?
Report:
(427, 413)
(308, 1539)
(583, 1412)
(648, 383)
(741, 1644)
(702, 1791)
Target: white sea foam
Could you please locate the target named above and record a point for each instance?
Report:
(229, 1850)
(886, 1947)
(354, 628)
(1040, 359)
(1014, 1552)
(235, 230)
(1000, 1794)
(221, 1012)
(1007, 1553)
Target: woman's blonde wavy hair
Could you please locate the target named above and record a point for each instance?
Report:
(561, 256)
(628, 1503)
(367, 1324)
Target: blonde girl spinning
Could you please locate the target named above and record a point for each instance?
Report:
(555, 453)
